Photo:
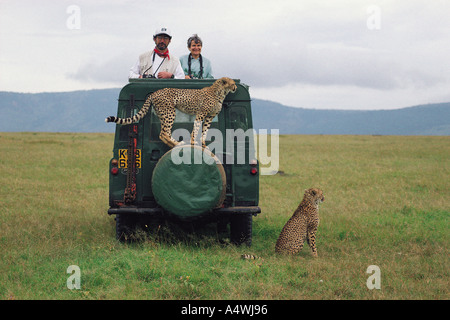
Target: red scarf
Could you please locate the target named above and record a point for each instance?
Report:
(162, 54)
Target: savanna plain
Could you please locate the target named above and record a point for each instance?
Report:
(387, 203)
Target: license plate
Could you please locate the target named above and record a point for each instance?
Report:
(123, 158)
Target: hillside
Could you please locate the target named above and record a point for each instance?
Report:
(431, 119)
(77, 111)
(84, 111)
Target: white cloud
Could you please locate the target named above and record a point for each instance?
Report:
(350, 97)
(302, 53)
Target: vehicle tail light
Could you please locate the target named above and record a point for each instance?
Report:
(114, 169)
(253, 171)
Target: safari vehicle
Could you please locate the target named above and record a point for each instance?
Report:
(147, 182)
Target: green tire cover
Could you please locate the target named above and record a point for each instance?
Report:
(189, 181)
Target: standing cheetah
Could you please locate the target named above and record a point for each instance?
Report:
(204, 103)
(302, 225)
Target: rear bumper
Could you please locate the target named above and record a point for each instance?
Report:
(159, 211)
(236, 210)
(135, 210)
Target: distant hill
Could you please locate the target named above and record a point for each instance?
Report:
(431, 119)
(85, 111)
(76, 111)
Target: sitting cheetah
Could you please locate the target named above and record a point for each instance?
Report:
(302, 225)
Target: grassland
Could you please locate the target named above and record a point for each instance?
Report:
(387, 203)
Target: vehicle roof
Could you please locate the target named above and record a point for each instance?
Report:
(140, 88)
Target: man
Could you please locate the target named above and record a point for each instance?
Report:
(158, 63)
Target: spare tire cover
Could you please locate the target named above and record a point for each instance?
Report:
(189, 181)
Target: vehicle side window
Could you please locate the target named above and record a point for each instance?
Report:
(238, 118)
(126, 111)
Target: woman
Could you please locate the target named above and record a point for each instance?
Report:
(194, 65)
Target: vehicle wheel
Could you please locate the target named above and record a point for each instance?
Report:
(241, 229)
(125, 226)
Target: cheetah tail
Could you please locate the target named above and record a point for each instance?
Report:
(250, 257)
(135, 118)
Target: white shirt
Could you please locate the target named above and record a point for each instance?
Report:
(134, 71)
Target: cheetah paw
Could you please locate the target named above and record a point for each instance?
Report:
(181, 143)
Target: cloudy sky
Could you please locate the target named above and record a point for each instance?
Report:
(336, 54)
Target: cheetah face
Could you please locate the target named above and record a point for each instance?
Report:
(316, 194)
(228, 84)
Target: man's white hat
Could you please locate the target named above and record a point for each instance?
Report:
(165, 31)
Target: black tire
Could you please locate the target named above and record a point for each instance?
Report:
(241, 229)
(126, 225)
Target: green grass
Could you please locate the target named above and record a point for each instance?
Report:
(387, 203)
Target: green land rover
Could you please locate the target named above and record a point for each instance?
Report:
(148, 181)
